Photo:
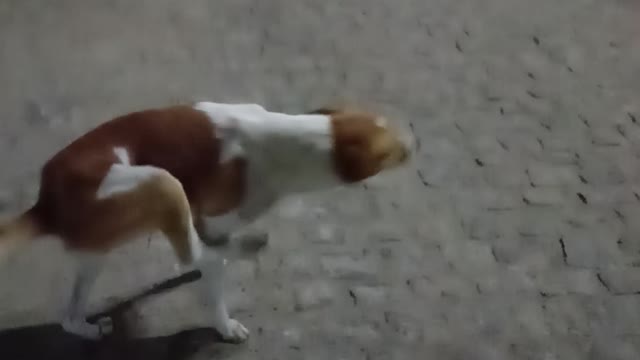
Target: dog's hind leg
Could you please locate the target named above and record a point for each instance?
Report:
(129, 201)
(87, 268)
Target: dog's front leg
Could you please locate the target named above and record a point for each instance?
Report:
(212, 266)
(217, 230)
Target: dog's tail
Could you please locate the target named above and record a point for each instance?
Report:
(18, 231)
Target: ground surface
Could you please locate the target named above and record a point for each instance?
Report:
(513, 236)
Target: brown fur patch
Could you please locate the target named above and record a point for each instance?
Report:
(179, 139)
(363, 148)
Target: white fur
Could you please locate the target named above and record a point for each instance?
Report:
(213, 266)
(86, 271)
(211, 289)
(121, 179)
(195, 244)
(252, 121)
(124, 178)
(122, 154)
(286, 153)
(232, 149)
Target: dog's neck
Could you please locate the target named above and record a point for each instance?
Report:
(296, 154)
(286, 153)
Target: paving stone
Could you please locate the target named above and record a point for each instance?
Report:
(529, 252)
(569, 315)
(606, 346)
(579, 218)
(568, 281)
(292, 336)
(620, 315)
(485, 228)
(313, 294)
(348, 267)
(408, 327)
(504, 280)
(621, 281)
(605, 195)
(606, 136)
(369, 295)
(468, 255)
(301, 265)
(363, 333)
(630, 231)
(558, 157)
(597, 169)
(445, 286)
(592, 249)
(532, 222)
(327, 234)
(506, 174)
(489, 199)
(461, 171)
(544, 196)
(530, 315)
(569, 347)
(542, 174)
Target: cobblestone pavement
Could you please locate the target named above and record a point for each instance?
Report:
(513, 236)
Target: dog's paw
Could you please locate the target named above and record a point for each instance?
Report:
(235, 332)
(86, 330)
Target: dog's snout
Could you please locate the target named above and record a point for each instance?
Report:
(408, 141)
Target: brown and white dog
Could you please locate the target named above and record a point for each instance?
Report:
(169, 169)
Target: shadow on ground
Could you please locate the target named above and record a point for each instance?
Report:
(51, 342)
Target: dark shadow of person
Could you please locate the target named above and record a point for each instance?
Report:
(51, 342)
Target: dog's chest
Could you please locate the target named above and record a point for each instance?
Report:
(222, 190)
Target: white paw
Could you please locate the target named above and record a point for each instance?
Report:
(90, 331)
(236, 332)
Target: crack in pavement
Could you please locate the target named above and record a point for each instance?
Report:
(603, 283)
(563, 247)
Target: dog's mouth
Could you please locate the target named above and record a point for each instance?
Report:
(397, 158)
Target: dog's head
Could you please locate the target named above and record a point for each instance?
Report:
(364, 144)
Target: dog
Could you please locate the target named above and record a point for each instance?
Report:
(184, 169)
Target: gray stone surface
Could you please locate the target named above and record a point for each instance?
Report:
(512, 236)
